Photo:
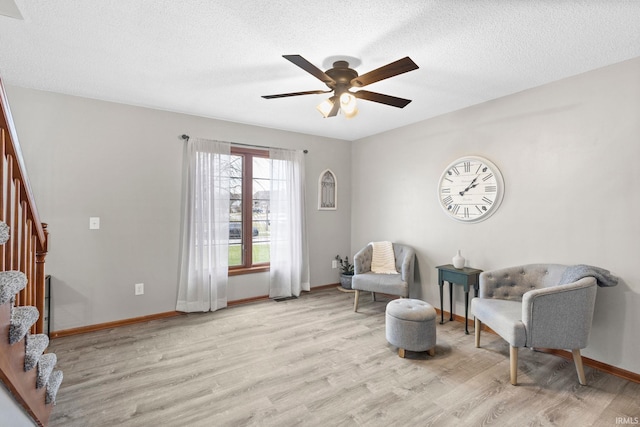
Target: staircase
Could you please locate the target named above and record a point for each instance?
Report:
(20, 347)
(27, 372)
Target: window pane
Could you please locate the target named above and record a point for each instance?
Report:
(235, 212)
(235, 166)
(260, 210)
(261, 167)
(235, 254)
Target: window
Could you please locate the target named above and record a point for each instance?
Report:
(249, 235)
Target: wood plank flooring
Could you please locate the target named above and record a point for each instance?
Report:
(312, 361)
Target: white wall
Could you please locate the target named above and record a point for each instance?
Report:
(12, 412)
(570, 156)
(124, 164)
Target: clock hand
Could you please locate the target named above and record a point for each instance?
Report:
(472, 184)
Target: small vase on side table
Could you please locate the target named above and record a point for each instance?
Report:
(458, 261)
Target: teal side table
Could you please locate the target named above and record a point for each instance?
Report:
(464, 276)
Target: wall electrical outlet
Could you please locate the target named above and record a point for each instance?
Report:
(334, 263)
(139, 288)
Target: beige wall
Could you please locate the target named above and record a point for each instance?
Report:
(570, 156)
(124, 164)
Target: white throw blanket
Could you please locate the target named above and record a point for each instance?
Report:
(383, 260)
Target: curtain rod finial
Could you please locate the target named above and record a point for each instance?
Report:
(305, 151)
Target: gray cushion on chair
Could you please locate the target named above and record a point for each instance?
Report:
(504, 316)
(386, 283)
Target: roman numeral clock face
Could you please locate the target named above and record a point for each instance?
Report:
(470, 189)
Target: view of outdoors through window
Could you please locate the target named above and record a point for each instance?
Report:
(235, 212)
(249, 209)
(260, 212)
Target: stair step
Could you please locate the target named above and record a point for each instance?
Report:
(11, 282)
(36, 344)
(22, 318)
(45, 366)
(52, 387)
(4, 233)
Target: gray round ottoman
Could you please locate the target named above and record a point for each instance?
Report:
(411, 325)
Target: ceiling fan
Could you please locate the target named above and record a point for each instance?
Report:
(340, 79)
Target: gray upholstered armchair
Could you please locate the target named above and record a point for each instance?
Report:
(393, 284)
(528, 307)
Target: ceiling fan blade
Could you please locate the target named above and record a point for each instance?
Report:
(284, 95)
(309, 68)
(381, 98)
(393, 69)
(336, 106)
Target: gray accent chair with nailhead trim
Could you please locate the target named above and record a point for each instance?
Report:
(528, 307)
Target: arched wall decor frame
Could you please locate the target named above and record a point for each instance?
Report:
(327, 191)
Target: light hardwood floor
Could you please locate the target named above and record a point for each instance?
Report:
(312, 361)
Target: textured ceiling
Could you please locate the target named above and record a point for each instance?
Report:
(216, 58)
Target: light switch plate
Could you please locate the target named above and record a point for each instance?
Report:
(139, 289)
(94, 223)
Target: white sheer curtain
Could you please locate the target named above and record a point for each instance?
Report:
(205, 230)
(289, 265)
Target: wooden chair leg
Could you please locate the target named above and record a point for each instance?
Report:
(373, 294)
(577, 359)
(355, 301)
(432, 351)
(513, 361)
(401, 352)
(478, 325)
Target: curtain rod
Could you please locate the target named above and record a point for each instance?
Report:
(186, 138)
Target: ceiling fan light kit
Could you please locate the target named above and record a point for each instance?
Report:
(348, 105)
(340, 79)
(325, 107)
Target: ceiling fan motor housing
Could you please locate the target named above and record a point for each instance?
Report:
(342, 76)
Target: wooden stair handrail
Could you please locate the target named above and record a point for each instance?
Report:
(13, 149)
(25, 251)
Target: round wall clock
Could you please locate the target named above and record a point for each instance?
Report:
(470, 189)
